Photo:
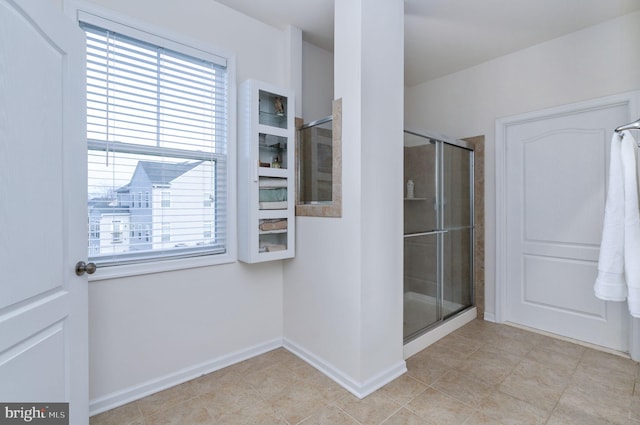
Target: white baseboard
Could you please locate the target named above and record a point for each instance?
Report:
(358, 389)
(120, 398)
(439, 332)
(634, 339)
(490, 317)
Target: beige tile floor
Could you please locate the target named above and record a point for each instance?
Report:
(482, 374)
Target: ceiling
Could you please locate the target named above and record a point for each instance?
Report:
(445, 36)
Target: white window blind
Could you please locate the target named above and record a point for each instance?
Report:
(156, 125)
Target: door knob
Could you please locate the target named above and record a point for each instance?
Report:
(82, 267)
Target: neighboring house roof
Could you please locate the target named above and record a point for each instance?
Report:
(160, 173)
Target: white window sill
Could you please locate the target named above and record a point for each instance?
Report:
(160, 266)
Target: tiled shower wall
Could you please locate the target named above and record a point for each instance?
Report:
(419, 215)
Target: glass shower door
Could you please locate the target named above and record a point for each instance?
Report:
(421, 235)
(457, 220)
(438, 232)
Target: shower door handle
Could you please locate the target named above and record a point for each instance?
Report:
(431, 232)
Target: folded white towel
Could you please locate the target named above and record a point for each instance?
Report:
(279, 205)
(619, 266)
(610, 284)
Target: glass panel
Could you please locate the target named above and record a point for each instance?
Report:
(316, 164)
(143, 205)
(457, 274)
(420, 283)
(272, 235)
(456, 186)
(272, 109)
(272, 151)
(420, 210)
(272, 193)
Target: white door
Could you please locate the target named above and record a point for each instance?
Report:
(556, 176)
(43, 304)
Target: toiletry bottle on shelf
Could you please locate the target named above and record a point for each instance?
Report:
(410, 187)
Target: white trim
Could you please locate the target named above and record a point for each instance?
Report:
(571, 340)
(439, 332)
(631, 99)
(160, 266)
(122, 397)
(80, 10)
(358, 389)
(490, 317)
(634, 339)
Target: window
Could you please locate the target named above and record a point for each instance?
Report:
(116, 231)
(166, 233)
(166, 200)
(156, 124)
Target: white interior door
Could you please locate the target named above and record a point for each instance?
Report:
(556, 177)
(43, 304)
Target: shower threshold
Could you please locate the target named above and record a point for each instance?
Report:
(420, 311)
(421, 324)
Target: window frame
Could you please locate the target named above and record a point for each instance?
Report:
(82, 11)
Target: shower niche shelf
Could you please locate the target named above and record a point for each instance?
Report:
(266, 197)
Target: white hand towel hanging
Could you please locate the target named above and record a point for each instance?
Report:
(619, 263)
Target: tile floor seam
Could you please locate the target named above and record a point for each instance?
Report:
(494, 389)
(565, 386)
(390, 416)
(351, 416)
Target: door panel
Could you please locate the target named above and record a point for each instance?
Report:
(556, 171)
(554, 282)
(564, 176)
(43, 304)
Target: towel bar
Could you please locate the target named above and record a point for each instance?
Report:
(631, 126)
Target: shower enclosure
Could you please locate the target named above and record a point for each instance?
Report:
(438, 231)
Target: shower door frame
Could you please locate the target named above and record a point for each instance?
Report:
(441, 231)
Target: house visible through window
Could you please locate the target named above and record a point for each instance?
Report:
(157, 146)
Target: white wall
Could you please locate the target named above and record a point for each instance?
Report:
(154, 330)
(343, 291)
(594, 62)
(317, 82)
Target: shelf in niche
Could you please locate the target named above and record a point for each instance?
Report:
(273, 172)
(273, 120)
(275, 147)
(415, 199)
(272, 232)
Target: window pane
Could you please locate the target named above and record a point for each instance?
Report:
(165, 219)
